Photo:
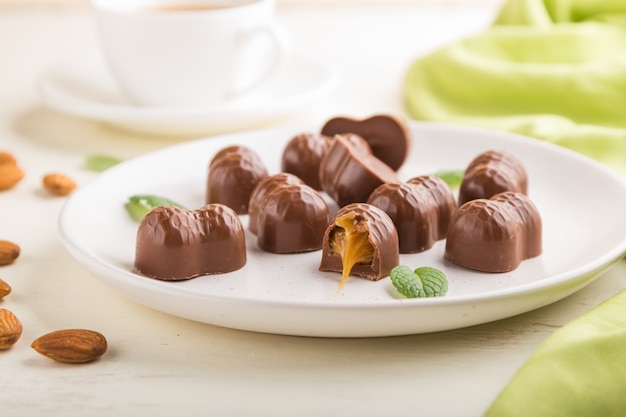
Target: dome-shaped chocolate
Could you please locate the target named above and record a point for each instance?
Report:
(413, 213)
(232, 176)
(364, 235)
(302, 156)
(265, 186)
(490, 173)
(293, 218)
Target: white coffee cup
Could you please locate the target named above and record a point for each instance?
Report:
(189, 53)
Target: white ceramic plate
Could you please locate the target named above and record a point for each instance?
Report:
(82, 86)
(581, 204)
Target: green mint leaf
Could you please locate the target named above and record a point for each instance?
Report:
(99, 163)
(452, 178)
(421, 282)
(139, 205)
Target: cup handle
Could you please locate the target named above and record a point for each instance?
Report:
(280, 46)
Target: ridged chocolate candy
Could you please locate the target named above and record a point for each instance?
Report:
(349, 174)
(177, 244)
(233, 174)
(292, 219)
(388, 136)
(496, 234)
(361, 240)
(490, 173)
(420, 210)
(446, 204)
(264, 187)
(302, 156)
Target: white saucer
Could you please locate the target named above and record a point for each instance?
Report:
(82, 86)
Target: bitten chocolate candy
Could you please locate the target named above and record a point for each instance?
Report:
(349, 174)
(496, 234)
(293, 218)
(177, 244)
(362, 240)
(264, 187)
(490, 173)
(233, 174)
(420, 210)
(388, 136)
(302, 156)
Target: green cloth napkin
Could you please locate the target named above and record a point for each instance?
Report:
(554, 70)
(580, 370)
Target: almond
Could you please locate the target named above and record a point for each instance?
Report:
(9, 252)
(58, 184)
(71, 345)
(10, 329)
(10, 175)
(7, 158)
(5, 289)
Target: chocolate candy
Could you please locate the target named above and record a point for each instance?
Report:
(292, 218)
(496, 234)
(420, 210)
(302, 157)
(233, 174)
(264, 187)
(490, 173)
(360, 240)
(229, 149)
(349, 174)
(177, 244)
(444, 199)
(388, 136)
(357, 142)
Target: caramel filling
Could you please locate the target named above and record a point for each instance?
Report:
(350, 242)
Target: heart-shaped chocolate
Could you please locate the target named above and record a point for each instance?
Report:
(496, 234)
(176, 244)
(388, 136)
(349, 174)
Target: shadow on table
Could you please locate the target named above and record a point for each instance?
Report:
(48, 128)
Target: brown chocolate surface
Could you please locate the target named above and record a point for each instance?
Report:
(229, 149)
(177, 244)
(349, 174)
(264, 187)
(381, 235)
(444, 199)
(388, 136)
(490, 173)
(420, 210)
(496, 234)
(302, 156)
(233, 174)
(292, 218)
